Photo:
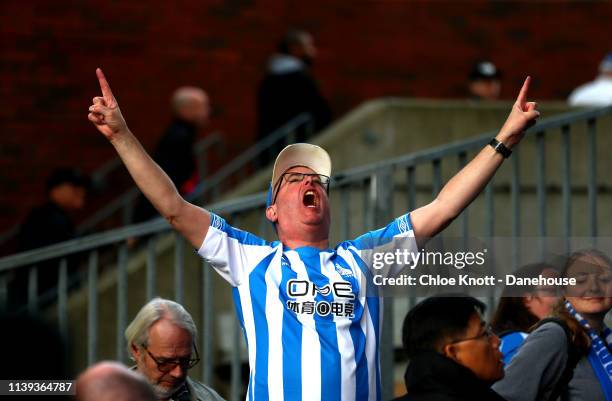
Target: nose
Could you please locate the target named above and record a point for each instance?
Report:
(594, 284)
(178, 372)
(308, 179)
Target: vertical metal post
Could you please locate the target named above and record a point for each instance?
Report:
(383, 206)
(264, 225)
(411, 187)
(490, 209)
(151, 268)
(236, 363)
(179, 268)
(541, 190)
(122, 300)
(345, 202)
(436, 186)
(567, 186)
(436, 178)
(62, 298)
(207, 335)
(490, 231)
(592, 180)
(92, 308)
(127, 211)
(33, 290)
(369, 185)
(516, 208)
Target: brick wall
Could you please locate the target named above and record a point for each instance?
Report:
(367, 49)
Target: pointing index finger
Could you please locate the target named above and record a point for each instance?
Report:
(105, 87)
(522, 97)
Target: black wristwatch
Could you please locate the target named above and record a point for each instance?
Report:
(500, 148)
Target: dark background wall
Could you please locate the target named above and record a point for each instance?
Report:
(367, 49)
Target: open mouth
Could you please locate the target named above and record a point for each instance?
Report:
(310, 199)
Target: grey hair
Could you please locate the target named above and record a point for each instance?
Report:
(137, 332)
(185, 95)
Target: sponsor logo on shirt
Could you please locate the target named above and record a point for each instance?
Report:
(303, 293)
(343, 271)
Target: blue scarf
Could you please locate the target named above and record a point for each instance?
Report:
(599, 354)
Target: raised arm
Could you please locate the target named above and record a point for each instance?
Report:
(191, 221)
(465, 186)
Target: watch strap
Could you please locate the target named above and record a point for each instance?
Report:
(500, 148)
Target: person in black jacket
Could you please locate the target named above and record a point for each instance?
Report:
(51, 223)
(453, 354)
(174, 151)
(48, 224)
(289, 89)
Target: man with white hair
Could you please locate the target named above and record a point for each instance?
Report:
(112, 381)
(161, 340)
(312, 328)
(597, 92)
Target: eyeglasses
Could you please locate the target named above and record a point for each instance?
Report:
(487, 333)
(319, 179)
(165, 365)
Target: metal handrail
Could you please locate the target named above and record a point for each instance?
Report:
(119, 234)
(456, 147)
(250, 202)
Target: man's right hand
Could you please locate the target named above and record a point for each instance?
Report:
(105, 113)
(190, 220)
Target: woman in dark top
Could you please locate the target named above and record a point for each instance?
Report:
(579, 345)
(521, 307)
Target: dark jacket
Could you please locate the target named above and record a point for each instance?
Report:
(45, 225)
(174, 152)
(433, 377)
(287, 91)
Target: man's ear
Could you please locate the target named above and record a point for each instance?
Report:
(450, 351)
(271, 213)
(135, 351)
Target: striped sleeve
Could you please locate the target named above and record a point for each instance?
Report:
(233, 253)
(401, 227)
(397, 235)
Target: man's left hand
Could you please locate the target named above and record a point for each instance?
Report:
(522, 116)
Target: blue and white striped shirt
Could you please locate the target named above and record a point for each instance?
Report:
(311, 328)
